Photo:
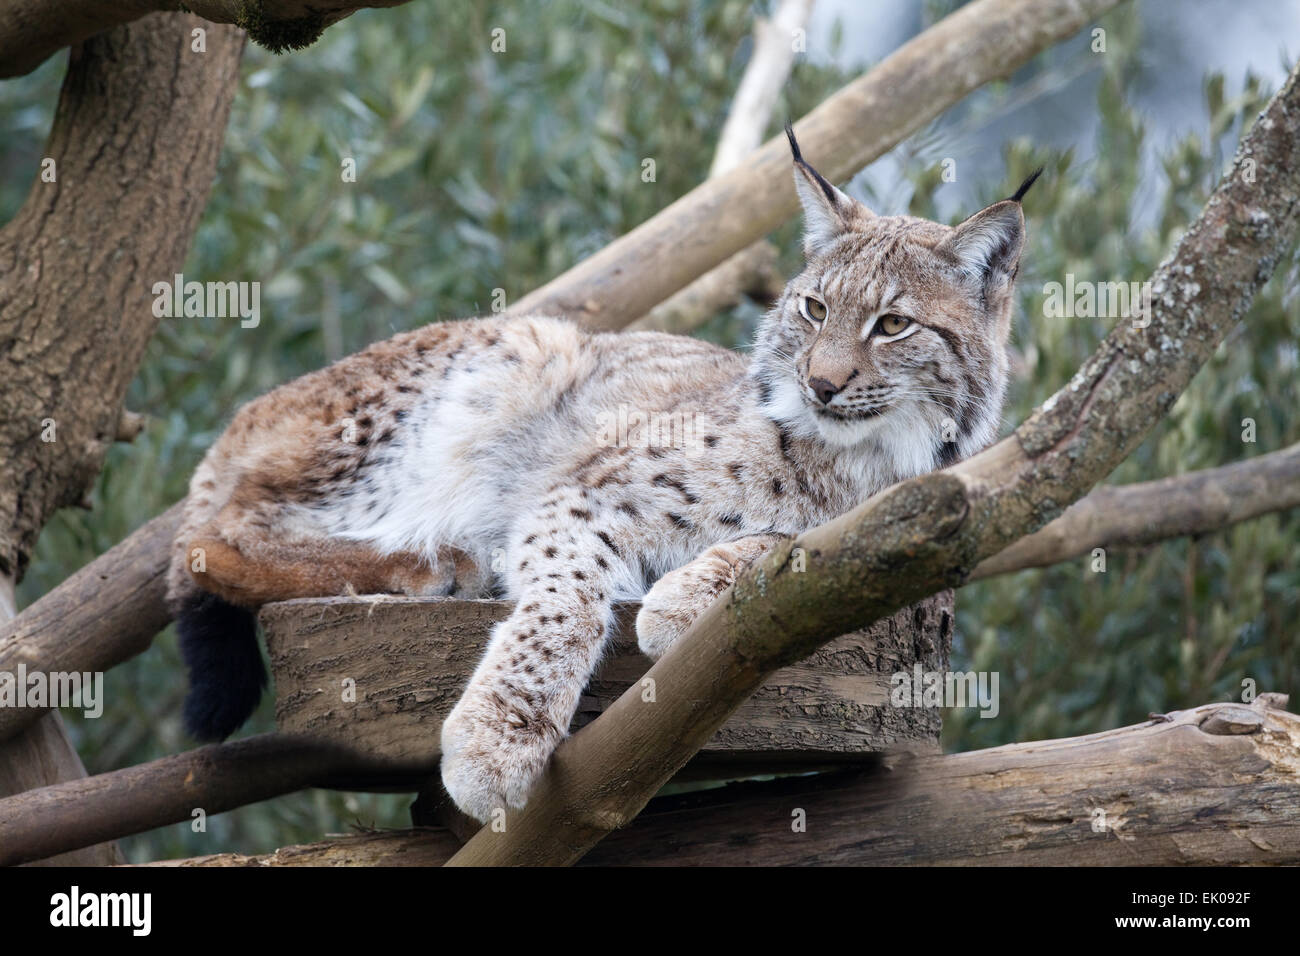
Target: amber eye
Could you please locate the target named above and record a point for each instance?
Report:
(813, 309)
(893, 324)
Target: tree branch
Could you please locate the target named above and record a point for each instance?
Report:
(1128, 516)
(214, 779)
(34, 30)
(714, 221)
(928, 533)
(753, 269)
(106, 613)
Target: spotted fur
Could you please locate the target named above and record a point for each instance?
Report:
(528, 458)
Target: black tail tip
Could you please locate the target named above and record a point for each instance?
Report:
(218, 642)
(1024, 187)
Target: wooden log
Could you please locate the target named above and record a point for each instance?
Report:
(1216, 785)
(76, 813)
(379, 675)
(106, 613)
(409, 659)
(1129, 516)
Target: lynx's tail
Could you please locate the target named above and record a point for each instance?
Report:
(218, 639)
(219, 646)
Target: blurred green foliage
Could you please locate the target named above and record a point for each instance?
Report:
(479, 170)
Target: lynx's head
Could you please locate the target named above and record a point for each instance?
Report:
(893, 337)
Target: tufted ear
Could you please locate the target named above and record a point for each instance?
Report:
(987, 246)
(827, 211)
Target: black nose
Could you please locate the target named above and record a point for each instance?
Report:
(823, 389)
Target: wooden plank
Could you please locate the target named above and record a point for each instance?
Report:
(379, 675)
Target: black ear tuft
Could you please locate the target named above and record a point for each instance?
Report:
(794, 143)
(822, 182)
(1024, 187)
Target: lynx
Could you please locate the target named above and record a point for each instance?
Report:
(476, 458)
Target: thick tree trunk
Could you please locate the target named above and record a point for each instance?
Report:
(134, 148)
(135, 142)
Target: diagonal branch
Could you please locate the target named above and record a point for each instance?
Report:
(86, 624)
(1129, 516)
(861, 122)
(928, 533)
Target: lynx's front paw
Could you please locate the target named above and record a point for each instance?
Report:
(492, 752)
(679, 597)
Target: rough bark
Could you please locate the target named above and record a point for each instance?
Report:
(135, 140)
(406, 662)
(33, 30)
(1129, 516)
(929, 533)
(988, 38)
(76, 813)
(88, 624)
(1212, 786)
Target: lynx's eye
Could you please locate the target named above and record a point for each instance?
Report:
(813, 310)
(893, 324)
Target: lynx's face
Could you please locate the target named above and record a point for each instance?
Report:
(896, 329)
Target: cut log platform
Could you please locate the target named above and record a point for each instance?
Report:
(379, 675)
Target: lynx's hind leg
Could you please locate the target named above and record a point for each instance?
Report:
(680, 596)
(237, 563)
